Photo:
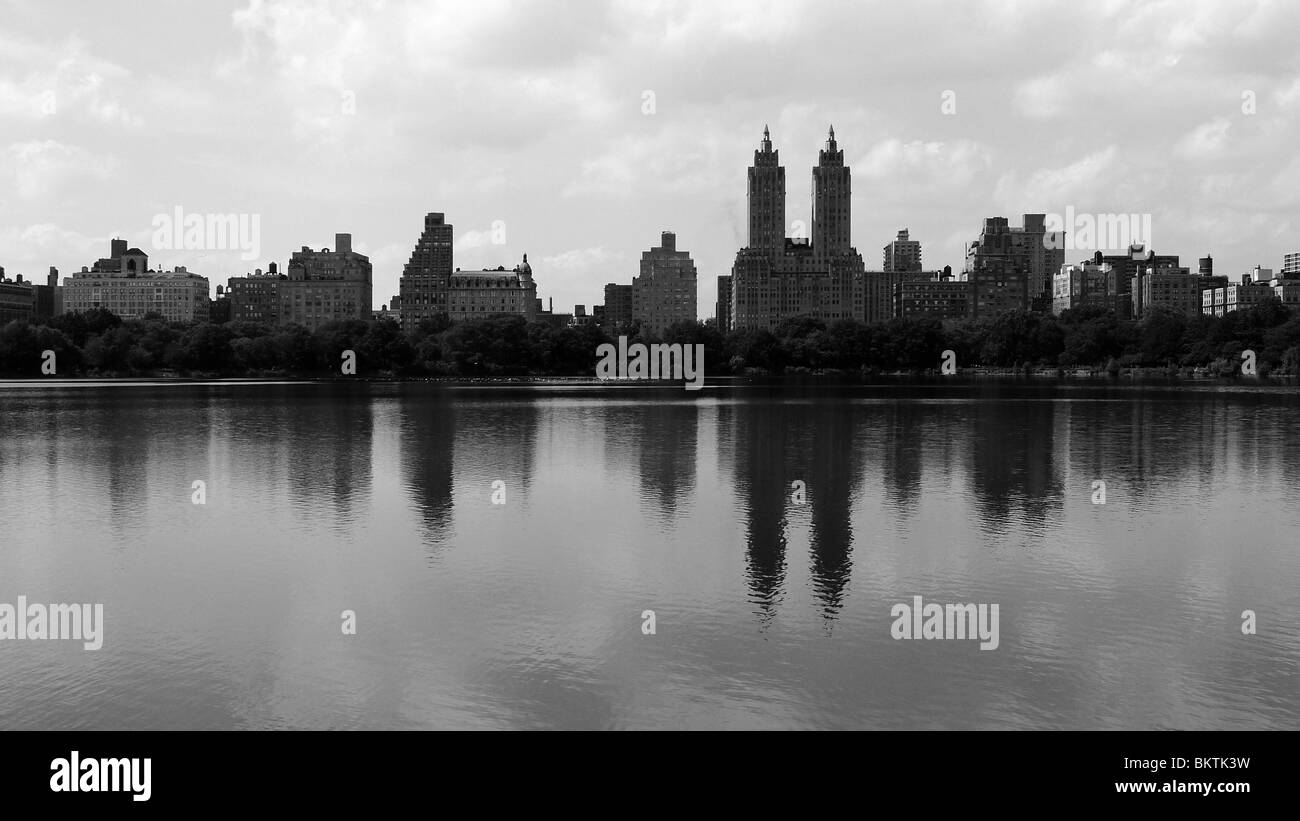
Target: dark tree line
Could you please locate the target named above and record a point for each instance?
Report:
(97, 343)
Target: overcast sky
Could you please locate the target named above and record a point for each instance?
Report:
(534, 116)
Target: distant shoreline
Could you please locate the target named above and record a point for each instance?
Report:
(1041, 376)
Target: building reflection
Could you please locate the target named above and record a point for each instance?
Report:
(427, 433)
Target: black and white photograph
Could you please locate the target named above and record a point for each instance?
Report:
(923, 370)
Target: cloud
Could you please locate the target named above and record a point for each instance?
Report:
(39, 168)
(1205, 141)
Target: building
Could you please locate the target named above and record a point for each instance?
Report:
(1170, 289)
(618, 305)
(722, 309)
(903, 254)
(17, 299)
(549, 316)
(255, 297)
(997, 266)
(1013, 267)
(423, 290)
(485, 293)
(22, 299)
(774, 277)
(1291, 266)
(1205, 266)
(937, 294)
(1254, 288)
(429, 287)
(219, 308)
(1124, 268)
(326, 286)
(318, 287)
(665, 291)
(1082, 285)
(124, 284)
(581, 317)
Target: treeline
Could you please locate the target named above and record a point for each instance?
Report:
(97, 343)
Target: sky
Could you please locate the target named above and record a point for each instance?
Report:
(577, 131)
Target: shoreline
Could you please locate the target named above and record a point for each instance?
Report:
(1040, 376)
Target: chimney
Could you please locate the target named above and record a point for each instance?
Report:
(343, 243)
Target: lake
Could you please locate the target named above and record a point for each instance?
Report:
(500, 548)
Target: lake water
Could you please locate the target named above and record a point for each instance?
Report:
(768, 613)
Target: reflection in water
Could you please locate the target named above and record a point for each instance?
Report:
(1012, 468)
(330, 496)
(833, 474)
(763, 484)
(427, 433)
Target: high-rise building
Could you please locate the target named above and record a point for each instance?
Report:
(997, 266)
(618, 305)
(1046, 254)
(325, 286)
(1205, 266)
(1012, 267)
(255, 297)
(1077, 286)
(766, 197)
(426, 277)
(665, 291)
(831, 200)
(1124, 268)
(723, 305)
(775, 277)
(124, 284)
(1171, 289)
(1291, 266)
(903, 254)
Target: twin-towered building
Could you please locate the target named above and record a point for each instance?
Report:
(776, 277)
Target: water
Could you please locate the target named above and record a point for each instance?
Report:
(378, 499)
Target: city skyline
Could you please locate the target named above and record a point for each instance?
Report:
(579, 151)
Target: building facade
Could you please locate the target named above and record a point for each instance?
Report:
(722, 309)
(423, 290)
(124, 284)
(485, 293)
(903, 254)
(618, 305)
(665, 291)
(1013, 267)
(775, 277)
(1291, 266)
(936, 294)
(1169, 289)
(1079, 286)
